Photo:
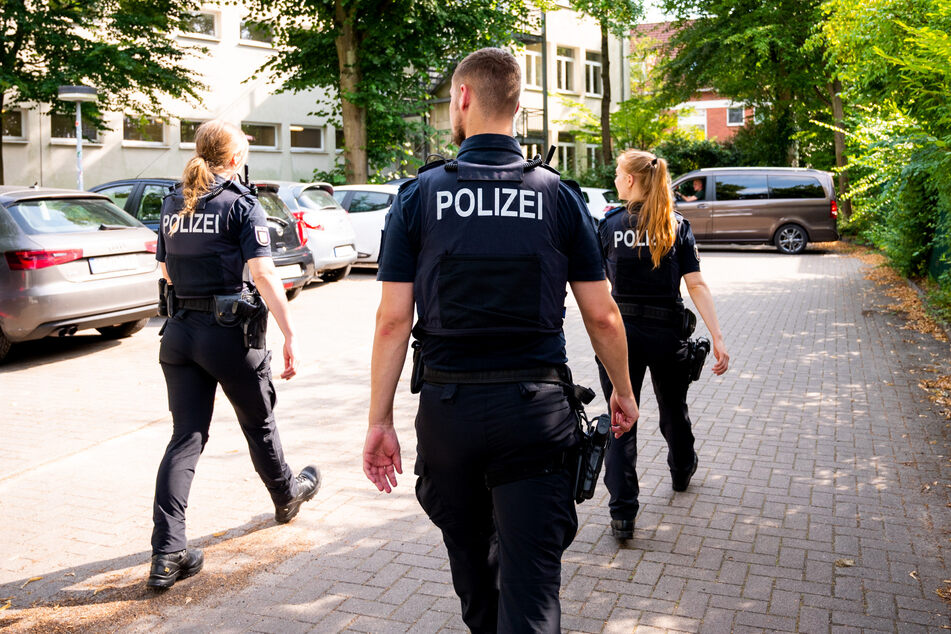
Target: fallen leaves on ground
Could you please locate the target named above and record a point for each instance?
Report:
(939, 391)
(844, 563)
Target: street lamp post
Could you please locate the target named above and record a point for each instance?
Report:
(79, 94)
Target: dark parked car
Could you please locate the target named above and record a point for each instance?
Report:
(72, 260)
(785, 206)
(142, 198)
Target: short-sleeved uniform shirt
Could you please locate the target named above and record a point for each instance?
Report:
(206, 251)
(630, 268)
(400, 249)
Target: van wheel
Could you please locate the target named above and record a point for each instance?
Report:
(5, 346)
(122, 331)
(335, 275)
(791, 239)
(292, 293)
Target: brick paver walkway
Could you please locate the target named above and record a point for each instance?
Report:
(821, 502)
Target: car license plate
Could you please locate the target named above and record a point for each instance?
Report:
(345, 250)
(289, 271)
(111, 264)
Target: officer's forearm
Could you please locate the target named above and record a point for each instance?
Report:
(394, 322)
(271, 287)
(703, 300)
(602, 320)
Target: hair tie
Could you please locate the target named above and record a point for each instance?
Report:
(654, 162)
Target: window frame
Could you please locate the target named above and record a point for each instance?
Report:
(216, 16)
(145, 144)
(564, 70)
(22, 137)
(533, 59)
(306, 148)
(592, 74)
(71, 140)
(249, 42)
(187, 144)
(742, 121)
(264, 148)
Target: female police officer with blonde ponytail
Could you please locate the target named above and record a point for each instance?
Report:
(211, 227)
(648, 248)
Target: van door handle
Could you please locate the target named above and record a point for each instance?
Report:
(701, 206)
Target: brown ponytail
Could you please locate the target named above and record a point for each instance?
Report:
(216, 141)
(655, 218)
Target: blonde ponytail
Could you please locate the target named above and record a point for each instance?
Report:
(216, 141)
(655, 217)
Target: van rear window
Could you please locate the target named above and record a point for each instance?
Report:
(69, 215)
(741, 187)
(795, 186)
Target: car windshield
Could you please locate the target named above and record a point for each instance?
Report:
(610, 196)
(318, 199)
(69, 215)
(273, 206)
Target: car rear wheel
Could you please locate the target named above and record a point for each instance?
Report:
(335, 275)
(5, 346)
(292, 293)
(122, 331)
(791, 239)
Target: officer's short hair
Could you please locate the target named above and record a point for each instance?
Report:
(495, 78)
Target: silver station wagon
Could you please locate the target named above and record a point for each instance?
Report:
(784, 206)
(72, 260)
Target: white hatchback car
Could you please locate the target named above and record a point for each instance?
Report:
(599, 200)
(330, 235)
(367, 206)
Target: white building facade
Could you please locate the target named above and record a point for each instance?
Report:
(288, 142)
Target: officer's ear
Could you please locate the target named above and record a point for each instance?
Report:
(465, 97)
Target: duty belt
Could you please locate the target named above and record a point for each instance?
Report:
(201, 304)
(487, 377)
(650, 312)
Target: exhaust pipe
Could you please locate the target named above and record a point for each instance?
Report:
(67, 331)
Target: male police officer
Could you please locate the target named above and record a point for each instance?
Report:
(485, 246)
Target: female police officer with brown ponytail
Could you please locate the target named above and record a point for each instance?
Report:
(211, 227)
(648, 248)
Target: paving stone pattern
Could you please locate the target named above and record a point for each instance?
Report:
(817, 447)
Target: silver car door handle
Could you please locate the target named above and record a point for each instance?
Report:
(701, 206)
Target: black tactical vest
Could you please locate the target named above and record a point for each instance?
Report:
(202, 253)
(489, 259)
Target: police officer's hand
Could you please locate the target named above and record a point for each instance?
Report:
(723, 358)
(624, 414)
(381, 456)
(290, 358)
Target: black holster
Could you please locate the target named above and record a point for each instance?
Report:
(416, 377)
(246, 309)
(697, 351)
(166, 304)
(591, 456)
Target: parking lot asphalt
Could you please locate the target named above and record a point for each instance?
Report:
(821, 503)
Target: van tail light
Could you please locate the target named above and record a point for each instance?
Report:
(41, 259)
(834, 210)
(151, 246)
(299, 216)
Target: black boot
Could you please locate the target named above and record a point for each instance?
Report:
(308, 482)
(681, 480)
(167, 568)
(622, 529)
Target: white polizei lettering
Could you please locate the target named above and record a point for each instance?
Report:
(467, 192)
(443, 201)
(505, 211)
(173, 223)
(540, 199)
(165, 221)
(618, 237)
(630, 238)
(208, 224)
(496, 208)
(216, 223)
(525, 203)
(481, 211)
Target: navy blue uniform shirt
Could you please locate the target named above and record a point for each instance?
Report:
(630, 268)
(400, 249)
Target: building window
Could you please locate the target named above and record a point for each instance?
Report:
(188, 128)
(735, 116)
(256, 32)
(592, 73)
(63, 126)
(593, 154)
(339, 142)
(261, 135)
(566, 152)
(533, 65)
(12, 122)
(202, 23)
(307, 137)
(565, 68)
(143, 129)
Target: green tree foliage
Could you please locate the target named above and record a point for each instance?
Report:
(685, 152)
(122, 47)
(641, 122)
(381, 60)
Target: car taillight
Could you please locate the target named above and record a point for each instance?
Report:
(607, 208)
(299, 216)
(151, 246)
(32, 260)
(834, 210)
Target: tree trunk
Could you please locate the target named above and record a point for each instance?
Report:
(354, 116)
(838, 117)
(607, 156)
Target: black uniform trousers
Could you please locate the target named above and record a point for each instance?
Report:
(505, 544)
(660, 347)
(196, 355)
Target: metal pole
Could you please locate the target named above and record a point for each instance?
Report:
(544, 148)
(79, 146)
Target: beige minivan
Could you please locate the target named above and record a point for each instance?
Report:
(785, 206)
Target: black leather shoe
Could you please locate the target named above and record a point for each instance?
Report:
(680, 481)
(622, 529)
(308, 482)
(167, 568)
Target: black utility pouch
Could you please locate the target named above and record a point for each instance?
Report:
(226, 310)
(166, 305)
(698, 349)
(689, 323)
(416, 377)
(591, 457)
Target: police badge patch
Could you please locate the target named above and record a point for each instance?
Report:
(262, 235)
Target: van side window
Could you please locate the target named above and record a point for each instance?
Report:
(795, 186)
(741, 187)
